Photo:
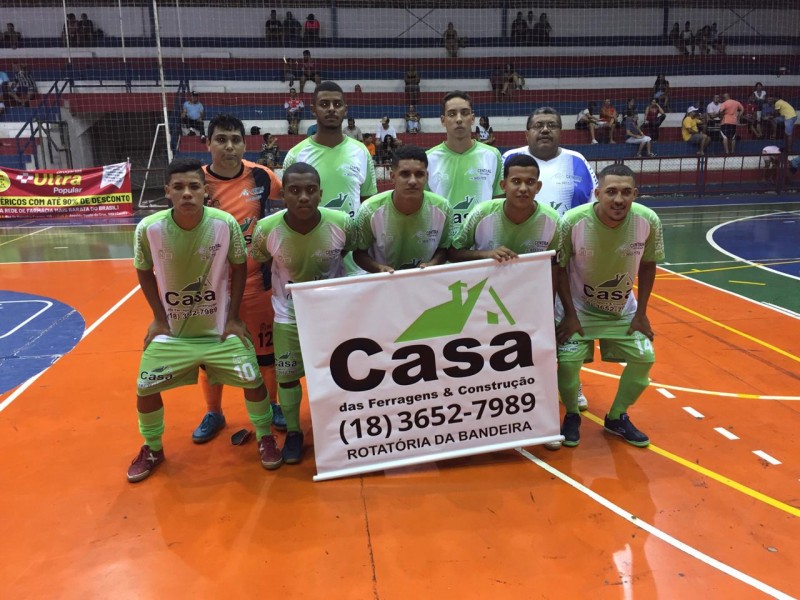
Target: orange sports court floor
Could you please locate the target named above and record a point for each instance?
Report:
(709, 510)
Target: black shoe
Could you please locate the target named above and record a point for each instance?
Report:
(571, 429)
(626, 430)
(293, 448)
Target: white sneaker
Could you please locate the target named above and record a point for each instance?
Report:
(583, 403)
(553, 445)
(594, 141)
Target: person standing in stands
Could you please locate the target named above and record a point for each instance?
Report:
(461, 169)
(311, 31)
(192, 115)
(567, 178)
(730, 111)
(244, 190)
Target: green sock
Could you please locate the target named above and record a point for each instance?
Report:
(290, 403)
(568, 384)
(633, 382)
(260, 414)
(151, 426)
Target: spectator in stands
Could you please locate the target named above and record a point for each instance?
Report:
(385, 128)
(588, 119)
(519, 30)
(369, 143)
(771, 155)
(541, 31)
(760, 96)
(636, 136)
(69, 33)
(630, 105)
(703, 39)
(497, 80)
(294, 107)
(85, 31)
(676, 39)
(730, 111)
(311, 30)
(609, 115)
(273, 29)
(23, 88)
(768, 127)
(750, 119)
(687, 37)
(661, 91)
(713, 119)
(691, 130)
(11, 37)
(308, 70)
(412, 79)
(5, 88)
(352, 131)
(511, 80)
(450, 39)
(786, 115)
(654, 116)
(292, 29)
(192, 115)
(412, 120)
(716, 39)
(270, 154)
(484, 132)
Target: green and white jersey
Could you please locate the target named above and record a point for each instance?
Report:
(191, 268)
(465, 179)
(488, 227)
(346, 171)
(404, 241)
(298, 257)
(603, 261)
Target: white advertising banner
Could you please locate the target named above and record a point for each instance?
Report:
(428, 364)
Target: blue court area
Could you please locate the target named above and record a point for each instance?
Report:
(34, 332)
(773, 239)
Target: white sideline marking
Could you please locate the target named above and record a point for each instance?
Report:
(18, 392)
(666, 393)
(766, 457)
(725, 433)
(47, 305)
(694, 413)
(654, 531)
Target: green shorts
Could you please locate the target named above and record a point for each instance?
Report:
(635, 348)
(170, 362)
(288, 358)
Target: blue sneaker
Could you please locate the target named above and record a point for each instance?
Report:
(293, 448)
(209, 427)
(278, 420)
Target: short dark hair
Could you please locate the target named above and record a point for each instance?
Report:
(300, 168)
(225, 121)
(543, 110)
(184, 165)
(618, 170)
(409, 153)
(519, 160)
(327, 86)
(456, 94)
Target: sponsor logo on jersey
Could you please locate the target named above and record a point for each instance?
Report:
(191, 294)
(610, 295)
(430, 234)
(632, 249)
(479, 174)
(208, 253)
(338, 202)
(350, 170)
(255, 192)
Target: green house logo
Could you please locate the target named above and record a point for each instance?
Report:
(451, 317)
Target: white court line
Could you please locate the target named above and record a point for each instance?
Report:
(18, 392)
(771, 460)
(68, 260)
(16, 239)
(725, 433)
(665, 393)
(662, 535)
(47, 304)
(696, 414)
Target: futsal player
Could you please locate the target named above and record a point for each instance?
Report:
(183, 256)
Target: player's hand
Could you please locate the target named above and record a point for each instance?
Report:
(384, 269)
(641, 324)
(239, 329)
(501, 254)
(155, 328)
(568, 327)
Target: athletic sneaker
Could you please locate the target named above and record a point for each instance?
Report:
(556, 445)
(626, 430)
(278, 420)
(209, 427)
(270, 453)
(571, 429)
(293, 448)
(145, 463)
(583, 403)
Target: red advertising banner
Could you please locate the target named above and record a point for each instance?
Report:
(96, 192)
